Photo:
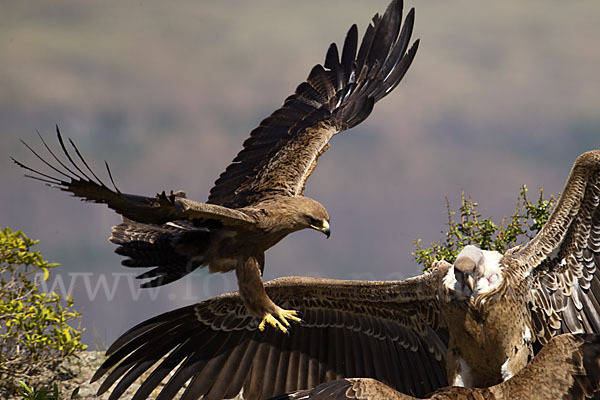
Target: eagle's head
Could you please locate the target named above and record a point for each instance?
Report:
(316, 217)
(295, 213)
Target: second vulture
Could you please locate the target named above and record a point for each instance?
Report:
(567, 368)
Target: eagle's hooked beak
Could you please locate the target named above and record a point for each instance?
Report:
(325, 228)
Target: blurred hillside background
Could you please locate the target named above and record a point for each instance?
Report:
(500, 94)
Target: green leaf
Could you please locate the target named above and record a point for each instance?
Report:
(25, 387)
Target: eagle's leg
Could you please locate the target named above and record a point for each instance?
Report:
(256, 300)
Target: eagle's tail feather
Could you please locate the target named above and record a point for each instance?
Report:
(160, 246)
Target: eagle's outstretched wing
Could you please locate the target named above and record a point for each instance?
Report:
(561, 264)
(282, 151)
(568, 367)
(391, 331)
(80, 180)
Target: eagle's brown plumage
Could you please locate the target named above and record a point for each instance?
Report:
(416, 335)
(258, 200)
(567, 368)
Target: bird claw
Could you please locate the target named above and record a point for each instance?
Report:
(279, 319)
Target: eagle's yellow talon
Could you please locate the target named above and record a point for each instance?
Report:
(273, 322)
(279, 320)
(286, 315)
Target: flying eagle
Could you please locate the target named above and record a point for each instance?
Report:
(567, 368)
(258, 200)
(475, 323)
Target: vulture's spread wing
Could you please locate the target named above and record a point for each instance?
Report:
(568, 368)
(281, 153)
(80, 180)
(562, 262)
(391, 331)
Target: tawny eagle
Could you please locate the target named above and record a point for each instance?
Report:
(258, 200)
(567, 368)
(475, 323)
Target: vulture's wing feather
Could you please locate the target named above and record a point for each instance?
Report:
(561, 264)
(80, 180)
(568, 368)
(282, 151)
(348, 389)
(391, 331)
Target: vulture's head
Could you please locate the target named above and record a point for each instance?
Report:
(467, 267)
(476, 271)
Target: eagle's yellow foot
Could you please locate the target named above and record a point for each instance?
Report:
(279, 319)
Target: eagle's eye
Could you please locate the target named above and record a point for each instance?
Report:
(313, 221)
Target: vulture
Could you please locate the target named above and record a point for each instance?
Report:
(476, 323)
(258, 200)
(568, 368)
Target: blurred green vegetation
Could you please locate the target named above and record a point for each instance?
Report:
(35, 330)
(44, 393)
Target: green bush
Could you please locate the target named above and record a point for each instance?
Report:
(466, 226)
(45, 393)
(30, 393)
(35, 334)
